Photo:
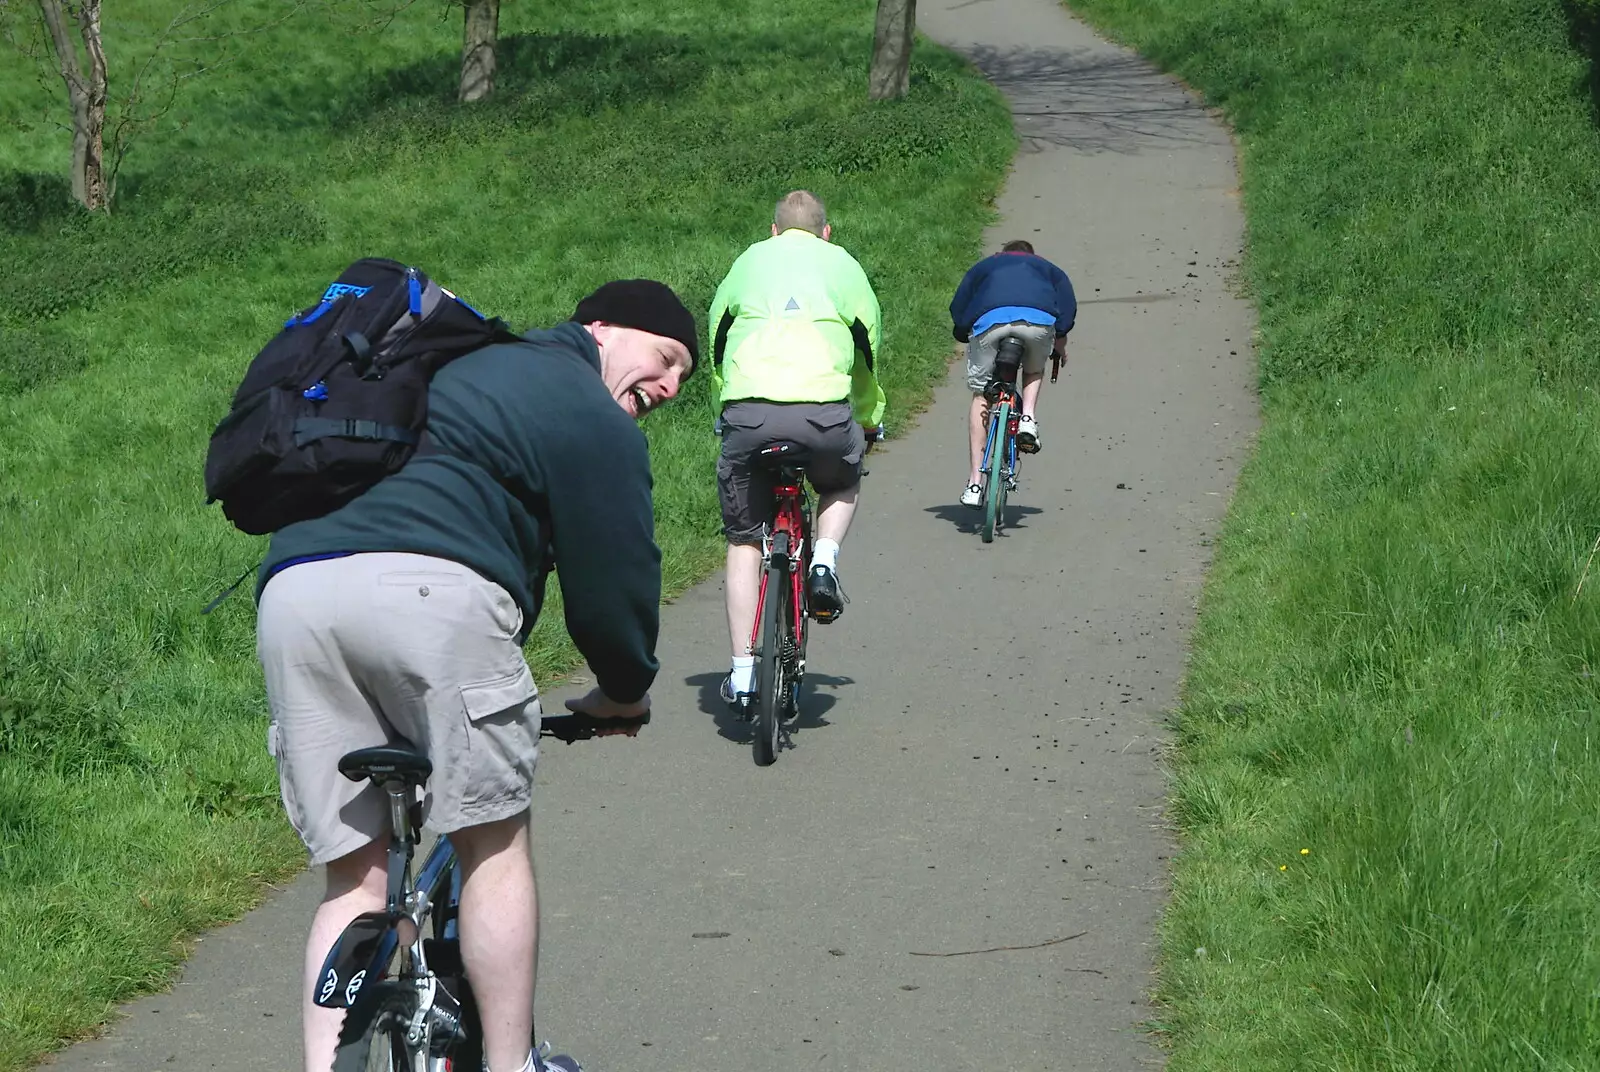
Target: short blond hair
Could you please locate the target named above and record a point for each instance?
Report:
(802, 209)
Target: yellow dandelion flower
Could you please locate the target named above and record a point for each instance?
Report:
(1283, 867)
(1305, 852)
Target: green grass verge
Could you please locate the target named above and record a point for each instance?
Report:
(137, 803)
(1394, 667)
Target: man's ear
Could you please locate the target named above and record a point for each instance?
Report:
(827, 232)
(774, 230)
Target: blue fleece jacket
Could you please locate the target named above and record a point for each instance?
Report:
(1013, 279)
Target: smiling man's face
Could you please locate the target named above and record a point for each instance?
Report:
(640, 370)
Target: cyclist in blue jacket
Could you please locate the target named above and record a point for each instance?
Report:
(1014, 294)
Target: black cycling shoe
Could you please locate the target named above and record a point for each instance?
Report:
(824, 594)
(738, 702)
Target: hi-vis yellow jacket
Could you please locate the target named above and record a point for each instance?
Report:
(796, 321)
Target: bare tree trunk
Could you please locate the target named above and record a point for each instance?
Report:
(482, 27)
(891, 49)
(87, 94)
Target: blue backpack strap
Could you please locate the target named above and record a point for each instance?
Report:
(315, 314)
(414, 291)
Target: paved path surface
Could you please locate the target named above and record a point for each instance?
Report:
(977, 764)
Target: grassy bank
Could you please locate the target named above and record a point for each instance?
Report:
(1389, 775)
(137, 803)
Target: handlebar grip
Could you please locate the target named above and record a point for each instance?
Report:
(581, 727)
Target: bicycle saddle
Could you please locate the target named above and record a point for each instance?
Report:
(782, 455)
(386, 762)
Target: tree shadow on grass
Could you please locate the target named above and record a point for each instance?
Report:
(1583, 25)
(543, 73)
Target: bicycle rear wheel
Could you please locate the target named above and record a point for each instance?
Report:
(771, 671)
(994, 496)
(373, 1038)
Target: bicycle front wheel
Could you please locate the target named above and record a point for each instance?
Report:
(771, 673)
(373, 1038)
(994, 496)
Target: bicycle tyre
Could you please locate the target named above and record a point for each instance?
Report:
(795, 674)
(994, 496)
(373, 1036)
(770, 685)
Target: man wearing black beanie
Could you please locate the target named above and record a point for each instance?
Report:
(399, 619)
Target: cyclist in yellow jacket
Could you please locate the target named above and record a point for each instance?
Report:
(796, 330)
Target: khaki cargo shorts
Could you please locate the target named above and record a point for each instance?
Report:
(376, 649)
(1037, 342)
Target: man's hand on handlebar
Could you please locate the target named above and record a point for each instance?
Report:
(1058, 357)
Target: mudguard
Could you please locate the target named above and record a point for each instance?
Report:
(360, 956)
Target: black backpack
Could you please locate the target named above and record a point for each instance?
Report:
(339, 398)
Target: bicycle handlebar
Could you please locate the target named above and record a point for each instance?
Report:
(581, 727)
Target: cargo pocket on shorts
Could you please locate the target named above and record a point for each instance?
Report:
(501, 746)
(286, 793)
(837, 445)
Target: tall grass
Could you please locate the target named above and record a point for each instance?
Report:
(137, 803)
(1389, 774)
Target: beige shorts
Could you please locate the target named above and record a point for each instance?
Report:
(378, 649)
(1037, 342)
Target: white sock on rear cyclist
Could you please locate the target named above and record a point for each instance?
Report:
(744, 674)
(826, 553)
(527, 1066)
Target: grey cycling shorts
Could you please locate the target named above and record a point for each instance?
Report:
(376, 649)
(828, 429)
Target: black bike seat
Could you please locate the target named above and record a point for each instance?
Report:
(386, 762)
(782, 455)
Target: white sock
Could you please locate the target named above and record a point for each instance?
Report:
(744, 674)
(826, 553)
(527, 1066)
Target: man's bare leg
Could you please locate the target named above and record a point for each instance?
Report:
(978, 425)
(834, 513)
(356, 883)
(743, 589)
(1031, 383)
(500, 934)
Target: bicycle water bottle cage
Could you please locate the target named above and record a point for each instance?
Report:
(360, 955)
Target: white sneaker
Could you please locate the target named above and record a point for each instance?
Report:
(972, 496)
(1027, 435)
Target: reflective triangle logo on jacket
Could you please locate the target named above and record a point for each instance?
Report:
(792, 307)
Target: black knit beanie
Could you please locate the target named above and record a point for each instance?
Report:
(643, 304)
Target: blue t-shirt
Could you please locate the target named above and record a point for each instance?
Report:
(1011, 314)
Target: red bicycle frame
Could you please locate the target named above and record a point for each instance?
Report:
(788, 520)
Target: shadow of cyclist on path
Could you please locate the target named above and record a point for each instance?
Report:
(813, 704)
(967, 520)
